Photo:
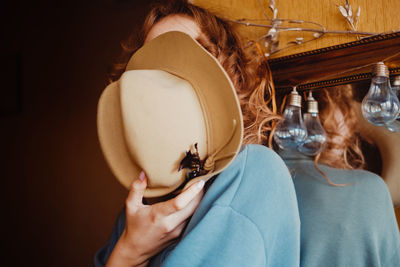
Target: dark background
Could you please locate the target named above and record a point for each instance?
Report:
(59, 197)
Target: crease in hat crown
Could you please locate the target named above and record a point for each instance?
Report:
(201, 70)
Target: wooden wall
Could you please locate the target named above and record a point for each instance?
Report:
(376, 16)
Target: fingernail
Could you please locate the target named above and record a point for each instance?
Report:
(142, 176)
(200, 184)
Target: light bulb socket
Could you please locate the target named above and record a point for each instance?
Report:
(312, 106)
(295, 99)
(396, 81)
(380, 69)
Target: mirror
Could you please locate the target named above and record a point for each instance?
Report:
(348, 63)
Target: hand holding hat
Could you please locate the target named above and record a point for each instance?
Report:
(150, 228)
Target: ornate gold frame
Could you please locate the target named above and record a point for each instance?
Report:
(340, 64)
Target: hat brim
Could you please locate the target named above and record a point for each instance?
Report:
(178, 54)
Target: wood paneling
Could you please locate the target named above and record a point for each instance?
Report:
(376, 16)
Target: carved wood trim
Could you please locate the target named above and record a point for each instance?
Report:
(337, 64)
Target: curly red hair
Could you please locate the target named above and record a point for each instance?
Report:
(245, 66)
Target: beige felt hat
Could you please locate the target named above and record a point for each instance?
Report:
(173, 94)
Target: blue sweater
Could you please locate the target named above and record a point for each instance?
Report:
(248, 217)
(350, 226)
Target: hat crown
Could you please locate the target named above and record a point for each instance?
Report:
(162, 119)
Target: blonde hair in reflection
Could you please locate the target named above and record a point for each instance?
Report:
(343, 148)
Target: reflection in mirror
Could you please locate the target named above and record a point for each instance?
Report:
(350, 66)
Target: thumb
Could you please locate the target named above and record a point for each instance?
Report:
(135, 196)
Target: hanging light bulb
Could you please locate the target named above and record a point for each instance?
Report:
(395, 125)
(316, 136)
(291, 131)
(380, 106)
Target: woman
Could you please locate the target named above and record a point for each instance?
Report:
(346, 213)
(249, 213)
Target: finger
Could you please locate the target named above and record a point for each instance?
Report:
(184, 198)
(182, 215)
(135, 196)
(180, 201)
